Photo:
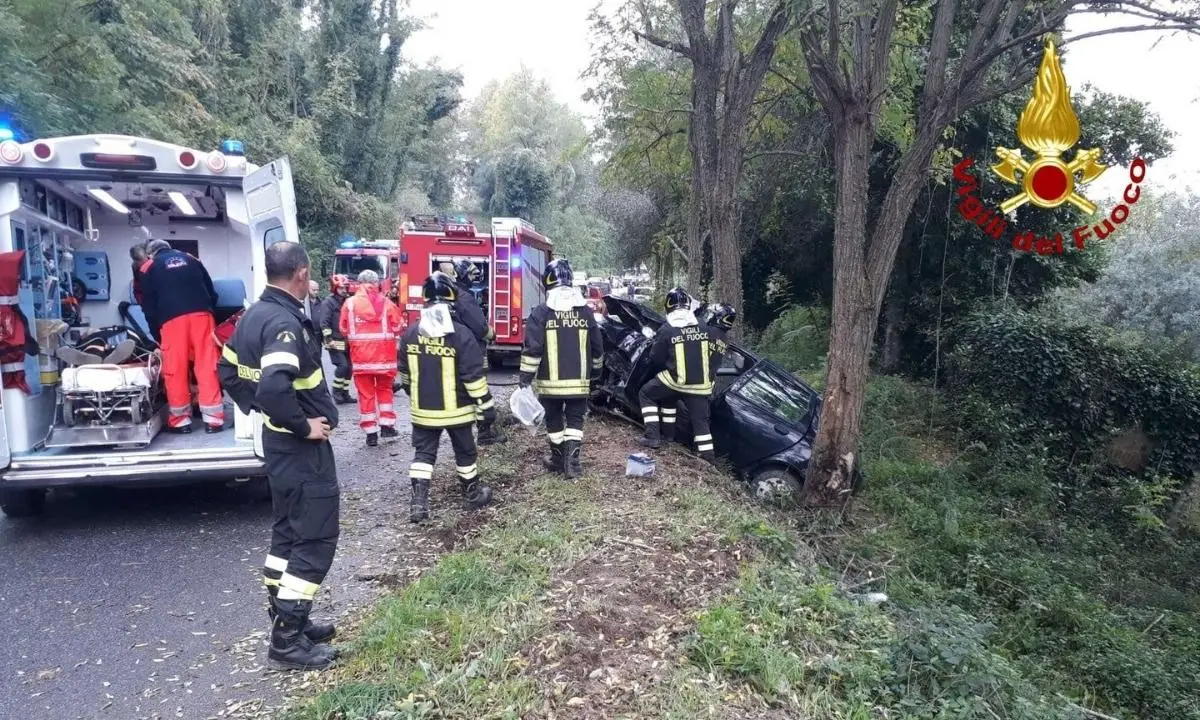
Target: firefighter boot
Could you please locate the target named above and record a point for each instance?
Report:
(475, 494)
(653, 436)
(342, 397)
(554, 463)
(318, 633)
(372, 439)
(418, 507)
(290, 647)
(709, 456)
(487, 435)
(388, 431)
(571, 459)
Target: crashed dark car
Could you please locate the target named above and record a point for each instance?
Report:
(764, 419)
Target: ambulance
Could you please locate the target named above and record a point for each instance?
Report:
(70, 209)
(510, 258)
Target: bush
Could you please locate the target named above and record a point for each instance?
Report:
(797, 340)
(1120, 421)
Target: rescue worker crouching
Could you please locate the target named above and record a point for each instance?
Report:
(370, 322)
(688, 356)
(272, 364)
(329, 319)
(178, 299)
(469, 312)
(441, 370)
(562, 357)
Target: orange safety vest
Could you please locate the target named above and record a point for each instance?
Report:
(371, 337)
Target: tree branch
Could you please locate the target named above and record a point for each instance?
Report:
(939, 53)
(662, 43)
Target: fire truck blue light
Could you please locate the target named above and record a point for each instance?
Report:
(232, 147)
(5, 133)
(515, 262)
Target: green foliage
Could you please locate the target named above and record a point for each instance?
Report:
(798, 339)
(1067, 392)
(321, 82)
(975, 539)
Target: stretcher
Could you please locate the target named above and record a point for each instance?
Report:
(105, 404)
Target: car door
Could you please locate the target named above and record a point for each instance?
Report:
(763, 413)
(271, 218)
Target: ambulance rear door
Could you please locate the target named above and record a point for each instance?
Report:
(271, 218)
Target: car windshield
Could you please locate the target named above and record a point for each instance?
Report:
(352, 265)
(778, 392)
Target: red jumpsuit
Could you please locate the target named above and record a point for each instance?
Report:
(371, 323)
(179, 301)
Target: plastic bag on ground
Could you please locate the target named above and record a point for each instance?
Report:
(526, 407)
(639, 465)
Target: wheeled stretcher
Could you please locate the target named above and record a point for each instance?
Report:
(105, 404)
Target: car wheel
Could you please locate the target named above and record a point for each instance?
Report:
(777, 486)
(22, 503)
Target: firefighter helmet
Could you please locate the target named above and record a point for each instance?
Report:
(439, 288)
(722, 315)
(558, 273)
(338, 283)
(467, 271)
(678, 299)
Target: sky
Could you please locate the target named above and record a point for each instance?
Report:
(489, 40)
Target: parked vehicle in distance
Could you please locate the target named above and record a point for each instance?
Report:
(764, 419)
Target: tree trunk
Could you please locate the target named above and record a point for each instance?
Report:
(854, 316)
(893, 326)
(695, 227)
(725, 221)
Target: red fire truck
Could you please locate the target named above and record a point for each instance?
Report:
(511, 259)
(382, 256)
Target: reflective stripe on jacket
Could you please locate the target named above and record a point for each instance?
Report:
(371, 336)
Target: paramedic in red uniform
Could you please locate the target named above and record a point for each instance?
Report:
(371, 324)
(178, 300)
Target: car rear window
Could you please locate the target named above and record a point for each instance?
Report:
(777, 392)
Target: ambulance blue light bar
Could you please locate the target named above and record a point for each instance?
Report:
(6, 133)
(515, 262)
(233, 147)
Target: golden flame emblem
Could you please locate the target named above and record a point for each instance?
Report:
(1048, 127)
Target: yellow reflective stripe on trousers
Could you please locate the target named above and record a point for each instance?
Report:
(293, 588)
(552, 355)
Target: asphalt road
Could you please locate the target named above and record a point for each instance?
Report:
(131, 604)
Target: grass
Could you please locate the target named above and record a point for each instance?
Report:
(678, 597)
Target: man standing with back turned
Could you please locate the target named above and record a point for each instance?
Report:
(272, 364)
(179, 300)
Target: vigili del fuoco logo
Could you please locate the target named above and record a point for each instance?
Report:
(1048, 128)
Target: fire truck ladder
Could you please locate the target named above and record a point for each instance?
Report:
(502, 284)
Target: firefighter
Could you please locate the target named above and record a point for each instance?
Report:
(272, 364)
(141, 263)
(329, 319)
(466, 275)
(687, 356)
(441, 370)
(720, 317)
(563, 355)
(370, 322)
(179, 301)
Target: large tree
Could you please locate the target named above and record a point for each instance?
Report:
(973, 52)
(728, 64)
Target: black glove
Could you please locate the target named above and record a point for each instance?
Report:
(489, 417)
(525, 379)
